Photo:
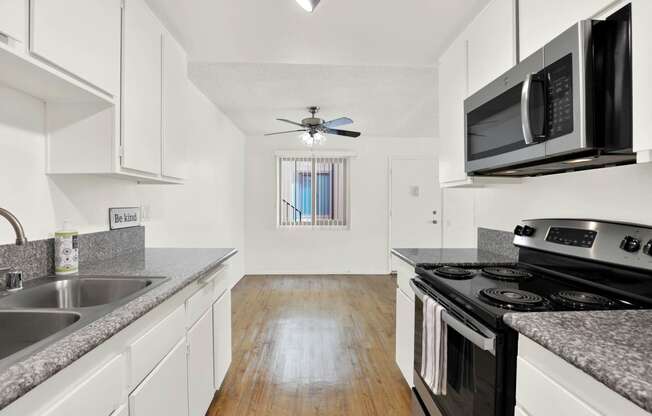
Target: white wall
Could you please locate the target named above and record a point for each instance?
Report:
(363, 249)
(207, 211)
(617, 194)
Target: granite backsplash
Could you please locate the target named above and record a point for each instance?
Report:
(36, 258)
(498, 242)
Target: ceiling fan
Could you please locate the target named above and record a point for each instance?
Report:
(314, 127)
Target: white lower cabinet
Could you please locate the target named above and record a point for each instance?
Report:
(200, 365)
(548, 385)
(164, 392)
(98, 395)
(405, 335)
(222, 337)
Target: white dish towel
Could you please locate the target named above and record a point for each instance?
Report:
(433, 347)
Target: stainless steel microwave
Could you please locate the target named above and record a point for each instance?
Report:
(568, 106)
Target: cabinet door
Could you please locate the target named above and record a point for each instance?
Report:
(81, 37)
(222, 334)
(200, 365)
(141, 89)
(405, 335)
(452, 92)
(175, 105)
(540, 21)
(491, 43)
(13, 19)
(164, 392)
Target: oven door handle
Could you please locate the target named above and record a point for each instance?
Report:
(485, 343)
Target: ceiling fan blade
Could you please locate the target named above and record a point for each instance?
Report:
(345, 133)
(284, 132)
(342, 121)
(290, 121)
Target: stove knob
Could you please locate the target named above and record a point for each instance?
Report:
(529, 231)
(648, 248)
(518, 230)
(630, 244)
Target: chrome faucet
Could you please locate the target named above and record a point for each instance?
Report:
(18, 228)
(13, 279)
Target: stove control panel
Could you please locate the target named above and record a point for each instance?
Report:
(571, 237)
(622, 244)
(630, 244)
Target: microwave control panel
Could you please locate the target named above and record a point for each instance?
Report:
(559, 97)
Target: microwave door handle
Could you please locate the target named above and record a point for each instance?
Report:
(525, 109)
(483, 342)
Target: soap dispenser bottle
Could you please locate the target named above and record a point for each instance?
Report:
(66, 251)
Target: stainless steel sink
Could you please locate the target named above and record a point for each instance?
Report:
(48, 309)
(75, 293)
(21, 329)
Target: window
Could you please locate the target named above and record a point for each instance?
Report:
(312, 191)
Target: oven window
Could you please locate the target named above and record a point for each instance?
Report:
(495, 127)
(471, 388)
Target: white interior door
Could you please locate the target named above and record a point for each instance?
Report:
(415, 211)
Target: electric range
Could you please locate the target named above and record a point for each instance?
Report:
(563, 265)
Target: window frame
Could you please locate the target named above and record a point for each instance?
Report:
(313, 155)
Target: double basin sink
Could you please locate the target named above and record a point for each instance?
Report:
(48, 309)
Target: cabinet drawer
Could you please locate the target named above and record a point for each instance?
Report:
(540, 364)
(539, 395)
(202, 300)
(222, 281)
(98, 395)
(150, 349)
(404, 272)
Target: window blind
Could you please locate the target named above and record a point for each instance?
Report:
(312, 191)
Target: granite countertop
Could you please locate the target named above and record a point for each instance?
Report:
(612, 346)
(449, 255)
(182, 266)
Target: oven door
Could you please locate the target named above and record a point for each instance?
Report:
(504, 121)
(475, 383)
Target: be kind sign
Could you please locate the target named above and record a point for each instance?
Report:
(124, 217)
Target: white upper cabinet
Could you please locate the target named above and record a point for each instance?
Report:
(452, 92)
(175, 107)
(82, 37)
(141, 89)
(484, 51)
(540, 21)
(491, 43)
(13, 20)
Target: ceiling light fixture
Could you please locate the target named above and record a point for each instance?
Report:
(311, 139)
(308, 5)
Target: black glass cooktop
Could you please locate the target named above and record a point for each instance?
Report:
(489, 291)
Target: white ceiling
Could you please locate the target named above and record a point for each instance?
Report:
(370, 59)
(383, 101)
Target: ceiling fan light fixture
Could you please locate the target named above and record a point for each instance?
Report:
(316, 138)
(308, 5)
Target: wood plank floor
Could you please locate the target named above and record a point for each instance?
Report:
(313, 345)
